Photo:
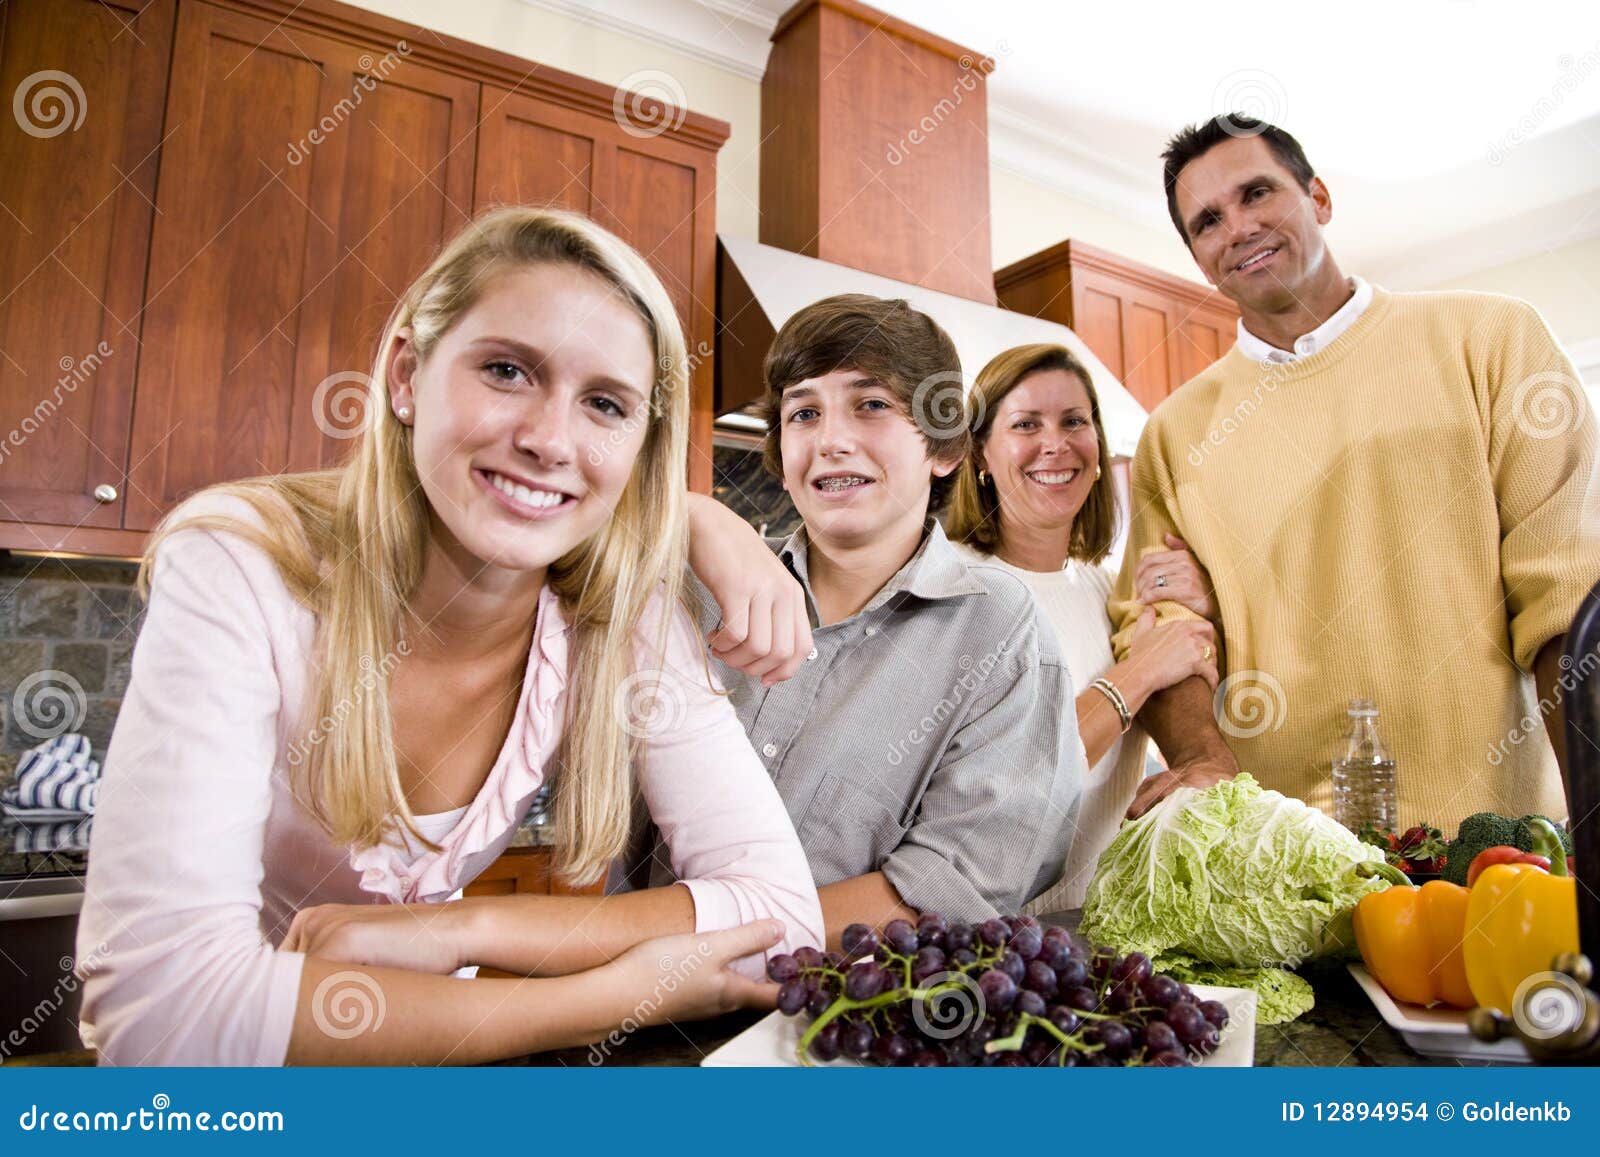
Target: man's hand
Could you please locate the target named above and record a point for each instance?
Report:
(1200, 773)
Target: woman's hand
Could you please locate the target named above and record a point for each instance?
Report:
(686, 977)
(765, 631)
(1163, 654)
(418, 937)
(1183, 580)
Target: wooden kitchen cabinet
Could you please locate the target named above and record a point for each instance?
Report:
(268, 273)
(245, 289)
(73, 243)
(526, 872)
(1152, 330)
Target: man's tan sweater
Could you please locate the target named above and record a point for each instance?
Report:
(1408, 515)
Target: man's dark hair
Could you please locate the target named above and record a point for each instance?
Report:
(885, 339)
(1194, 141)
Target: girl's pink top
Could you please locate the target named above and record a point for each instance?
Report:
(201, 856)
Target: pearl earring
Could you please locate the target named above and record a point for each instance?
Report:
(403, 413)
(1097, 472)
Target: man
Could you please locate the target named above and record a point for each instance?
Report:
(1396, 496)
(922, 748)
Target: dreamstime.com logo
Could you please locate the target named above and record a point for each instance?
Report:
(341, 402)
(649, 103)
(370, 76)
(1547, 1005)
(955, 1006)
(49, 103)
(372, 673)
(72, 975)
(347, 1004)
(674, 972)
(939, 405)
(650, 703)
(1250, 703)
(1549, 405)
(1249, 92)
(49, 703)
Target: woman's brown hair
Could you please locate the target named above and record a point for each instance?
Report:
(975, 506)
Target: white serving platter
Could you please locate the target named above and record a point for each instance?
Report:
(1437, 1031)
(771, 1041)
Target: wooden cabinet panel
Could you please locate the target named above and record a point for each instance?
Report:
(292, 196)
(79, 165)
(1099, 317)
(875, 147)
(398, 190)
(653, 206)
(1198, 344)
(1148, 369)
(1152, 330)
(530, 153)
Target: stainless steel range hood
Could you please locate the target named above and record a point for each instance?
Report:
(759, 287)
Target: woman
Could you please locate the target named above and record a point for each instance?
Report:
(1034, 498)
(350, 685)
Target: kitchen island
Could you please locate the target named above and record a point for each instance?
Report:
(1343, 1029)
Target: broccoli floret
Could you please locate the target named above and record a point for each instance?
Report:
(1488, 830)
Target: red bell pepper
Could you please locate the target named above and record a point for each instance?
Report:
(1504, 854)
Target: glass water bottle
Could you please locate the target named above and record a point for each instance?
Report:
(1364, 775)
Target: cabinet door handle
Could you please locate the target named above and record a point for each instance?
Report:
(105, 492)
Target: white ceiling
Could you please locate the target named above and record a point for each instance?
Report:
(1454, 134)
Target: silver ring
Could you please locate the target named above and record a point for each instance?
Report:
(1161, 580)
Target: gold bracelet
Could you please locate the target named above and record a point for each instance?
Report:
(1107, 688)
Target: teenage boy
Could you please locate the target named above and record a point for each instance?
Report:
(922, 748)
(1397, 497)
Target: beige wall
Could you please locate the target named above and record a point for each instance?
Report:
(1564, 284)
(1028, 217)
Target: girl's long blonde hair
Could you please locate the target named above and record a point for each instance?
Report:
(350, 544)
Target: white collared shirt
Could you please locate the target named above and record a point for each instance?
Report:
(1318, 339)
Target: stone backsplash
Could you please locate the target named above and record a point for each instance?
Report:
(67, 628)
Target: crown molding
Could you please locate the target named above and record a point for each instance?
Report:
(721, 33)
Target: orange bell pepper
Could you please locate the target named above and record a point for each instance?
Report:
(1410, 940)
(1519, 919)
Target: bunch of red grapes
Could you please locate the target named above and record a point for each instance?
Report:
(1006, 992)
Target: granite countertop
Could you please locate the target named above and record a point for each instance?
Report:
(1343, 1029)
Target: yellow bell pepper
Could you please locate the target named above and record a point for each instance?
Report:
(1410, 940)
(1519, 919)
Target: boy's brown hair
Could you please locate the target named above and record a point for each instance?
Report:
(887, 340)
